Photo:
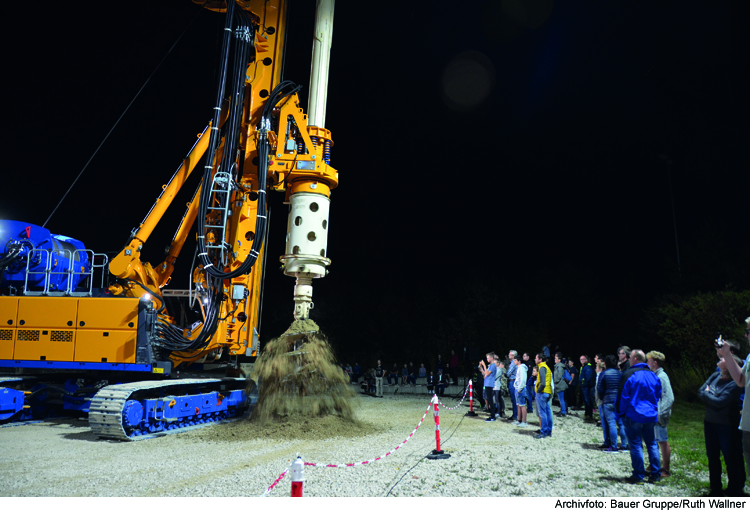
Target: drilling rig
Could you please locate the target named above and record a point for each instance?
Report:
(79, 331)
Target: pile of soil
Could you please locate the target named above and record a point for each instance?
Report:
(285, 428)
(298, 376)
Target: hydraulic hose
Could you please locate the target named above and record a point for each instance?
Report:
(170, 337)
(228, 166)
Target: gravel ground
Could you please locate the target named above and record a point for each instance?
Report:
(62, 458)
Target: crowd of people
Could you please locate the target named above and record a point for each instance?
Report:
(373, 380)
(630, 391)
(633, 396)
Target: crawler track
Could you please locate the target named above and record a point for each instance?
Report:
(106, 411)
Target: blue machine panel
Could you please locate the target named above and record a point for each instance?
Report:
(67, 365)
(11, 402)
(41, 259)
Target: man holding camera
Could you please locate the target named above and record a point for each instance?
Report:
(489, 384)
(741, 376)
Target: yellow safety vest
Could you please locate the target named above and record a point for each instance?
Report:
(547, 379)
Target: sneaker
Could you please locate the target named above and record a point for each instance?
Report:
(489, 419)
(537, 432)
(541, 436)
(497, 416)
(523, 425)
(654, 480)
(516, 423)
(611, 449)
(634, 481)
(604, 447)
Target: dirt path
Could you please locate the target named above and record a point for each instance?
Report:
(62, 458)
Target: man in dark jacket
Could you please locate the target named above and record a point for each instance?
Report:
(607, 387)
(560, 384)
(441, 380)
(623, 356)
(638, 406)
(588, 384)
(530, 379)
(572, 392)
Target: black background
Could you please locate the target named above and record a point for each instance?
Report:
(538, 186)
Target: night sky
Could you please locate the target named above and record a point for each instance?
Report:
(506, 147)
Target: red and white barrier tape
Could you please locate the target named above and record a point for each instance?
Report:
(312, 464)
(273, 485)
(459, 403)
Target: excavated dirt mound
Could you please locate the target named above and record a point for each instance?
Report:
(290, 428)
(298, 376)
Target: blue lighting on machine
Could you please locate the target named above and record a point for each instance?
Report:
(33, 258)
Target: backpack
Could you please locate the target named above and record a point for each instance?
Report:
(566, 376)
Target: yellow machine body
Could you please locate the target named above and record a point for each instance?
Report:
(69, 329)
(104, 329)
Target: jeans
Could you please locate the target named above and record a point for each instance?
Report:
(727, 440)
(378, 387)
(621, 431)
(521, 397)
(499, 403)
(545, 413)
(529, 398)
(395, 378)
(561, 398)
(571, 396)
(609, 424)
(645, 432)
(512, 390)
(588, 399)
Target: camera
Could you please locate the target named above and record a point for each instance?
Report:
(719, 341)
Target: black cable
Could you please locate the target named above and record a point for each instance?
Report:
(283, 89)
(119, 119)
(161, 299)
(243, 49)
(425, 457)
(168, 336)
(13, 253)
(171, 338)
(405, 473)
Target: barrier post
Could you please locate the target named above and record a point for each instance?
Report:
(471, 400)
(298, 476)
(437, 453)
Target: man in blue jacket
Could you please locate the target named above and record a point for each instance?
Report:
(638, 406)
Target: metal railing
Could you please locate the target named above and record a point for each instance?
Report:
(84, 285)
